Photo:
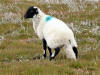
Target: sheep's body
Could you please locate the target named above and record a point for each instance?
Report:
(56, 33)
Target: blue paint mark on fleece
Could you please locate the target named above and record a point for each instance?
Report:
(48, 18)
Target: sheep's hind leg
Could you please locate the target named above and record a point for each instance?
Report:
(57, 50)
(50, 52)
(44, 47)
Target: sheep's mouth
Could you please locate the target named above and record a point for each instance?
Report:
(25, 17)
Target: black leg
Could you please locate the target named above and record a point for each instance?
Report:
(50, 52)
(44, 47)
(57, 50)
(75, 51)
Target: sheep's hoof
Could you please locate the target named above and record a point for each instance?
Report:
(51, 58)
(44, 56)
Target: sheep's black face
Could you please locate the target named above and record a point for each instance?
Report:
(32, 11)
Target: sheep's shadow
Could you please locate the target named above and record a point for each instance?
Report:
(40, 56)
(37, 57)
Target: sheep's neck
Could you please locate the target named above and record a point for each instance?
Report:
(36, 22)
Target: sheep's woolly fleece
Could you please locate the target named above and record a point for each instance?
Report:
(55, 32)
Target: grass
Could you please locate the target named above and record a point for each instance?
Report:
(20, 44)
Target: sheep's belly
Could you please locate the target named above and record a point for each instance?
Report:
(56, 39)
(54, 43)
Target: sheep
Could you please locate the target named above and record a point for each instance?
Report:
(53, 32)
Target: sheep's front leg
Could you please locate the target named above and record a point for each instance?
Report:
(44, 47)
(57, 50)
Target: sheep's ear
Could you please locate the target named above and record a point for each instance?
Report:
(36, 8)
(36, 11)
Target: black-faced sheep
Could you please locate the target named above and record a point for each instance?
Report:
(53, 32)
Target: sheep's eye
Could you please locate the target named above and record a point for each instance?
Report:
(31, 11)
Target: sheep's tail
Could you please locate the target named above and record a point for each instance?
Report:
(71, 49)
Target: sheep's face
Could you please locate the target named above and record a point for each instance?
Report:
(32, 11)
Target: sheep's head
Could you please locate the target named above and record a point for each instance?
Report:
(31, 12)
